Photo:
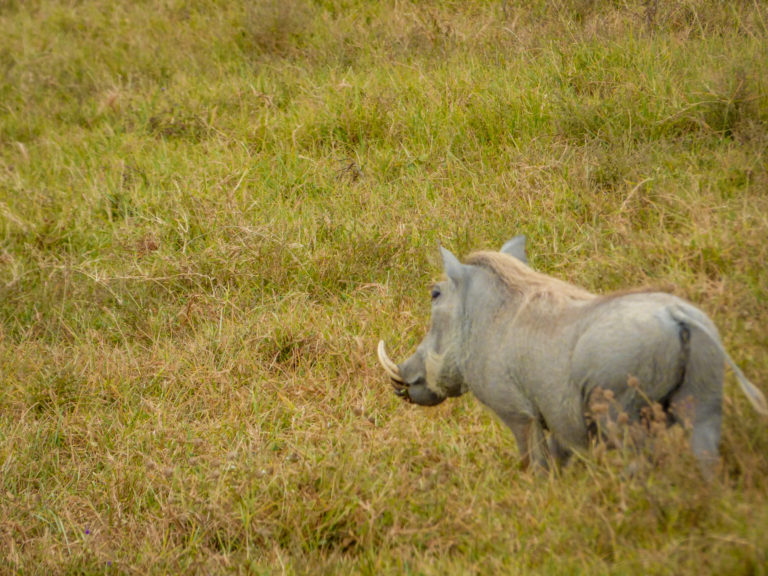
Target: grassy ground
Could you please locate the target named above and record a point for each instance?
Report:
(211, 211)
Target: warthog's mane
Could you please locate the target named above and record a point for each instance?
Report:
(523, 280)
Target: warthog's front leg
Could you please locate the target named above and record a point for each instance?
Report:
(559, 453)
(530, 441)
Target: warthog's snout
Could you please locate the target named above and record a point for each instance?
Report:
(408, 379)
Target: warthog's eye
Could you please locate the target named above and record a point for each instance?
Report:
(435, 293)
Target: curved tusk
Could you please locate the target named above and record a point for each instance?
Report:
(389, 366)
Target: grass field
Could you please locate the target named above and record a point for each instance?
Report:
(211, 211)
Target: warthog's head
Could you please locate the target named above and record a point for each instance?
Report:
(433, 373)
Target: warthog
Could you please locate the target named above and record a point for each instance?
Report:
(534, 349)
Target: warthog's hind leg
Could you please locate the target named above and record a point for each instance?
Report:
(699, 399)
(705, 419)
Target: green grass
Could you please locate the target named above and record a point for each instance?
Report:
(211, 211)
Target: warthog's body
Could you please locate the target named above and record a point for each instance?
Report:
(533, 348)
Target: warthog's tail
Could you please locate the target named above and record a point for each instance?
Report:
(689, 317)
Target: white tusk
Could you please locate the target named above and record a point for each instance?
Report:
(389, 366)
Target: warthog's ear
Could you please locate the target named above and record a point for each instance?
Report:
(454, 269)
(516, 248)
